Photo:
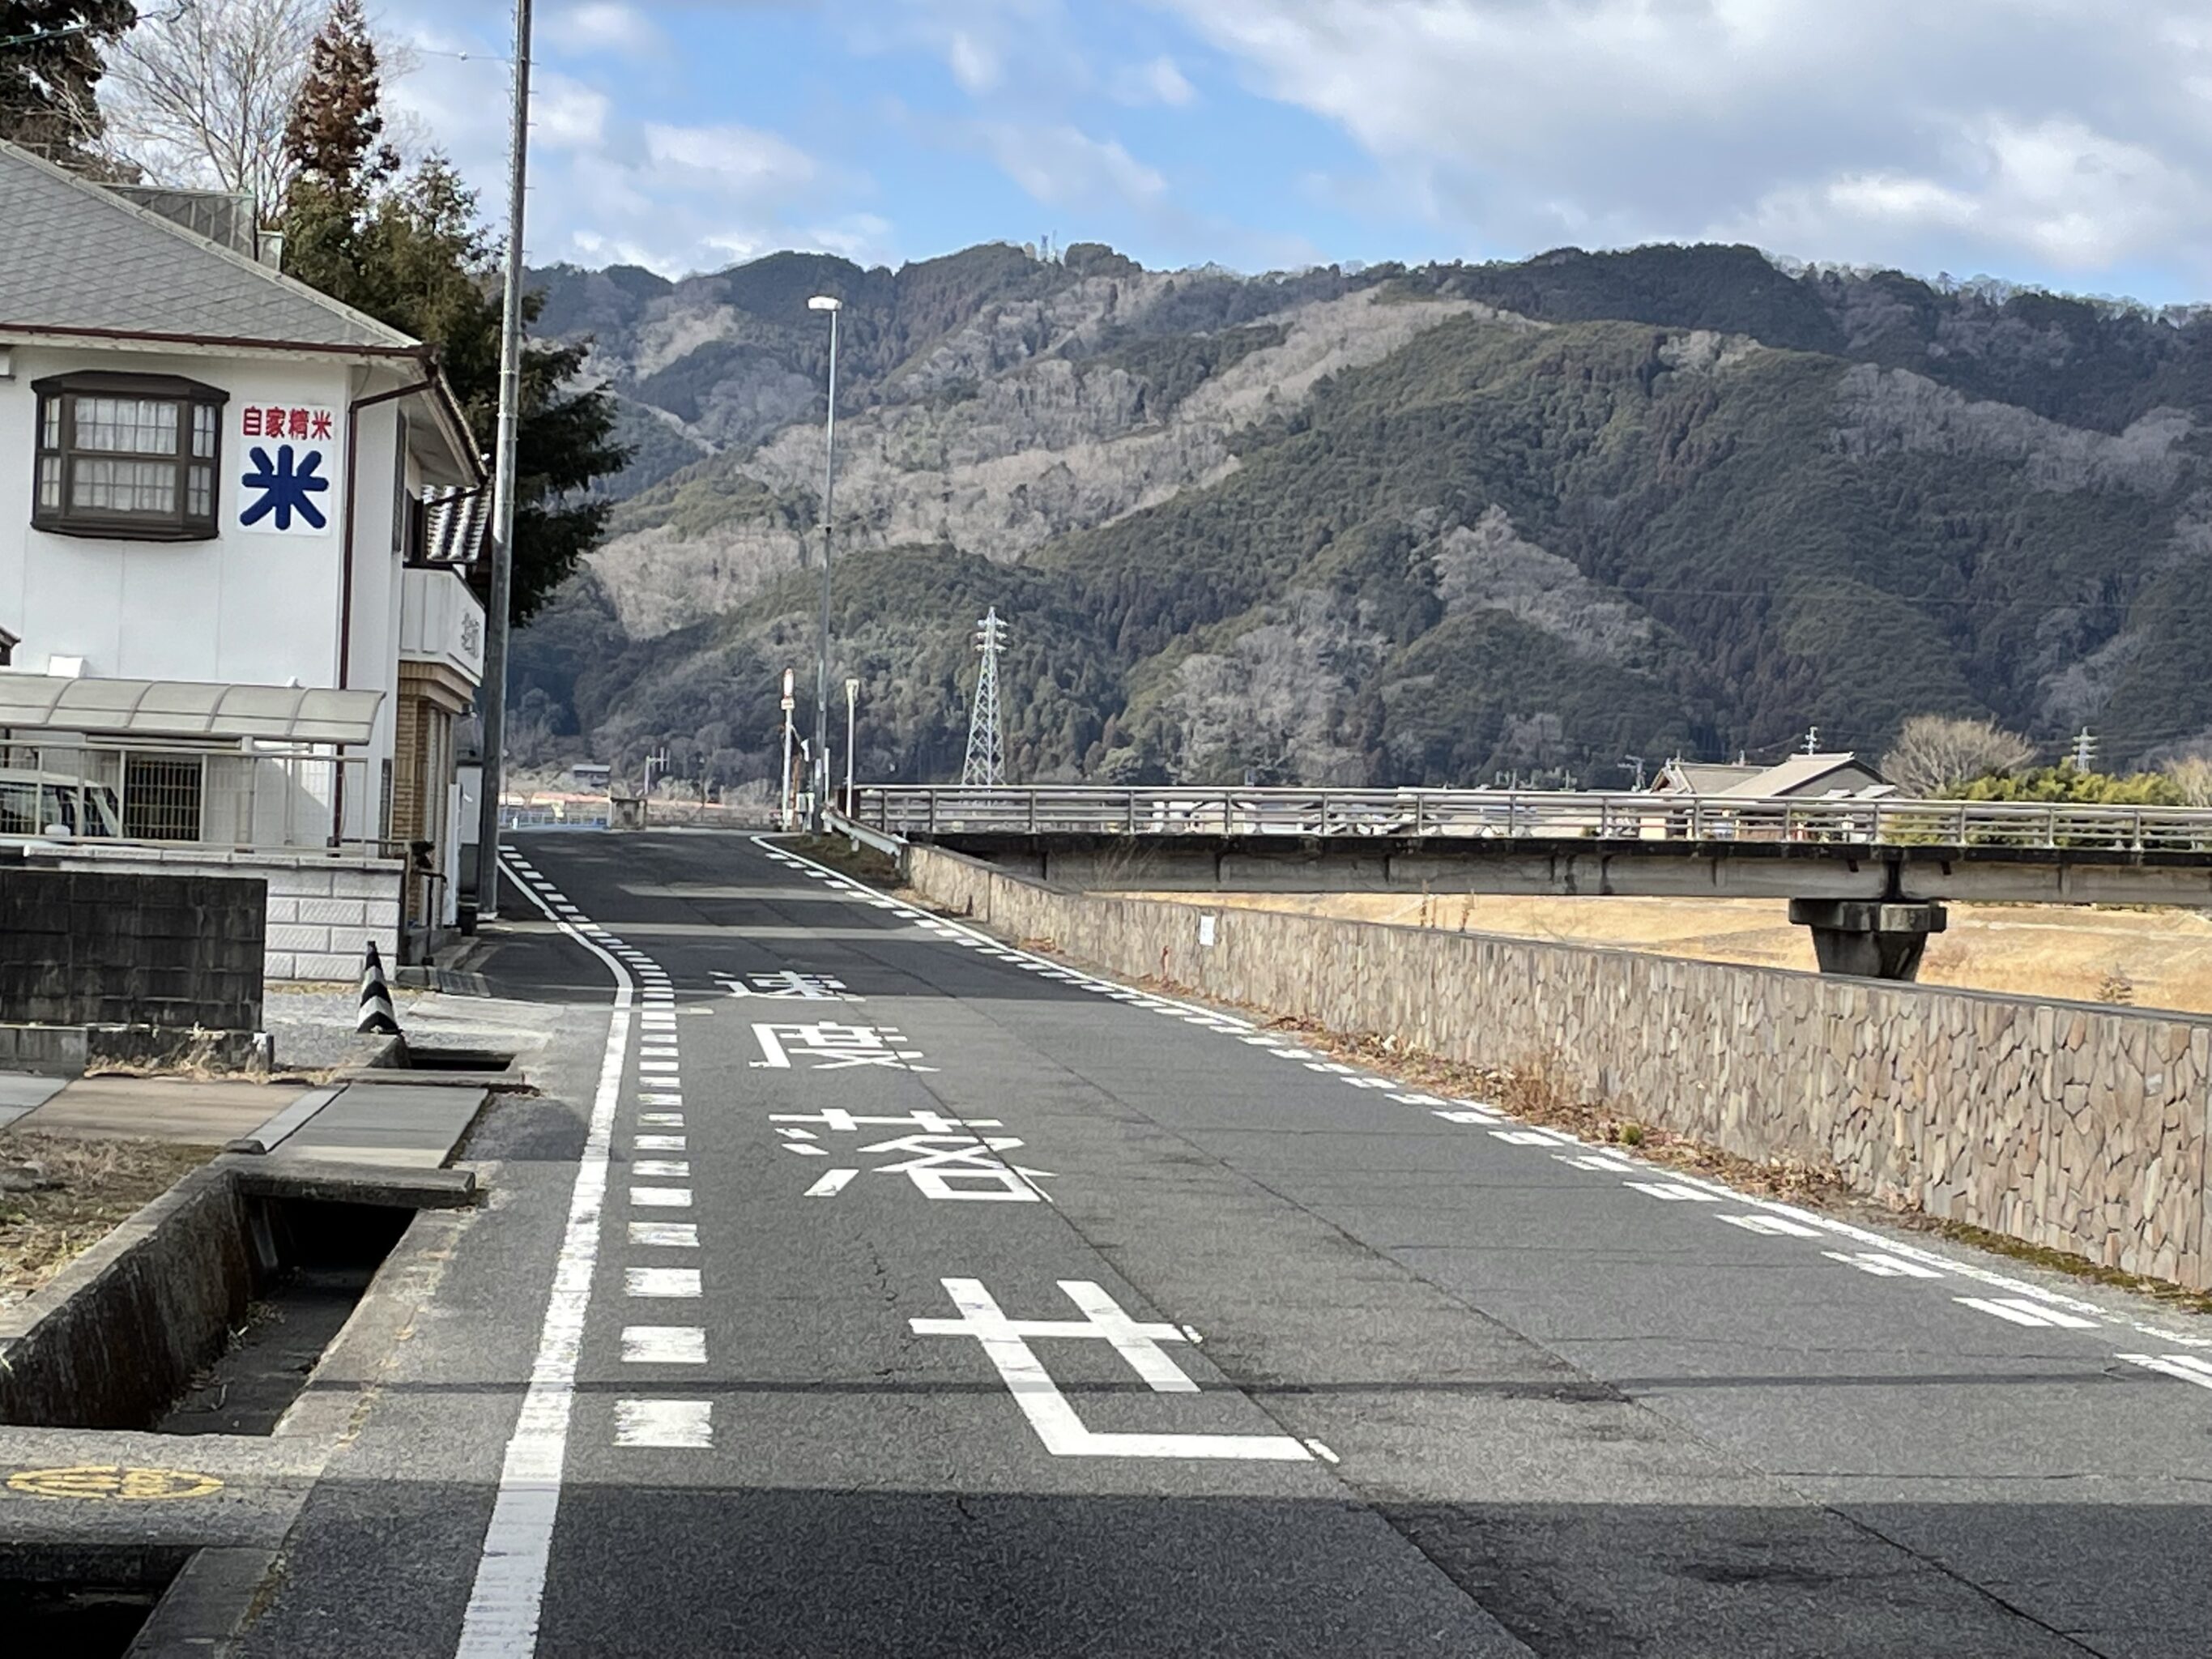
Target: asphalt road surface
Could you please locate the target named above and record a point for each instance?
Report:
(865, 1287)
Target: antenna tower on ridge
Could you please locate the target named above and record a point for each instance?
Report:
(987, 759)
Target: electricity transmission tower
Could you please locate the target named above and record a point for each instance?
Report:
(986, 759)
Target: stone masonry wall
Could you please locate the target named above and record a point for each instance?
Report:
(105, 947)
(321, 909)
(2076, 1127)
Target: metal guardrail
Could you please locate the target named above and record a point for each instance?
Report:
(860, 835)
(1479, 814)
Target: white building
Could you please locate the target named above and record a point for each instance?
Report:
(221, 641)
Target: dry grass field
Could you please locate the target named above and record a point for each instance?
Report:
(2150, 959)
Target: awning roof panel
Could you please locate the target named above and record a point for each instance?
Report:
(185, 708)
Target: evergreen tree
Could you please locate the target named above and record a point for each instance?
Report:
(47, 98)
(331, 140)
(415, 256)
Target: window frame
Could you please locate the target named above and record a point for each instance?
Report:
(57, 396)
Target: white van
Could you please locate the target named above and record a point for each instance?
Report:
(32, 803)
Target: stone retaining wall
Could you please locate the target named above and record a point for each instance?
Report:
(323, 907)
(2074, 1126)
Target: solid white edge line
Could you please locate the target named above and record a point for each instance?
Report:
(507, 1598)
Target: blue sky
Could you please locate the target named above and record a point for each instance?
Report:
(2064, 143)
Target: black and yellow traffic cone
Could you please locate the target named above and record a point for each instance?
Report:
(376, 1012)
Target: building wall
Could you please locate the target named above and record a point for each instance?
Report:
(2078, 1126)
(243, 607)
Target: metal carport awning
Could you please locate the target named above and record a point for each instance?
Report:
(185, 708)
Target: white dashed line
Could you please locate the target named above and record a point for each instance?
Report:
(656, 1143)
(678, 1424)
(661, 1281)
(1526, 1137)
(1674, 1192)
(663, 1344)
(664, 1169)
(660, 1198)
(2188, 1367)
(665, 1235)
(1774, 1226)
(1882, 1264)
(2021, 1312)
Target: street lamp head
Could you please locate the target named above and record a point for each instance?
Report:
(824, 303)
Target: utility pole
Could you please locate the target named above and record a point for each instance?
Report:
(2085, 749)
(820, 772)
(986, 760)
(491, 695)
(784, 786)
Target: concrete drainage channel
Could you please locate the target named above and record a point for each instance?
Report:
(167, 1400)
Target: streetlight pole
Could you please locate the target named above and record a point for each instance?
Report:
(852, 695)
(785, 788)
(491, 695)
(821, 769)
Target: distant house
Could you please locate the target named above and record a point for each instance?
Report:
(1801, 777)
(223, 640)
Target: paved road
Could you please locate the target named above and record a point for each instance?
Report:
(948, 1302)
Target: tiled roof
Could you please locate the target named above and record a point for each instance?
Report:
(76, 256)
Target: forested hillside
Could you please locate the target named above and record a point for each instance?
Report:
(1388, 526)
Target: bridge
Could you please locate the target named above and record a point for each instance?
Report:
(1869, 877)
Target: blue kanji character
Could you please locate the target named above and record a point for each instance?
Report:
(284, 491)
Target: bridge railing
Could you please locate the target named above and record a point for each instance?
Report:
(1063, 809)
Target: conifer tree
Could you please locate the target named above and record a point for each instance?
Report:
(47, 85)
(332, 139)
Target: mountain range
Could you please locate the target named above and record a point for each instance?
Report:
(1445, 524)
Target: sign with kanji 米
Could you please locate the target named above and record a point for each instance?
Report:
(284, 457)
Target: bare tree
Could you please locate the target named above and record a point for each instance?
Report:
(201, 96)
(1933, 753)
(2191, 775)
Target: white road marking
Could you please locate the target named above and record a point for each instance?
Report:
(1004, 1343)
(656, 1143)
(804, 1151)
(1674, 1192)
(661, 1281)
(1776, 1226)
(1370, 1083)
(2021, 1312)
(662, 1120)
(660, 1198)
(664, 1169)
(662, 1097)
(663, 1344)
(680, 1425)
(1525, 1137)
(1882, 1264)
(2189, 1367)
(1599, 1161)
(665, 1235)
(1410, 1099)
(1463, 1115)
(833, 1183)
(507, 1596)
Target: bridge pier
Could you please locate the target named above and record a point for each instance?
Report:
(1870, 938)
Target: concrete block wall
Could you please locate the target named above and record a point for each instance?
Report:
(90, 947)
(2078, 1126)
(321, 909)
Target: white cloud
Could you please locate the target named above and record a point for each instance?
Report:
(1160, 82)
(604, 26)
(1064, 166)
(2060, 132)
